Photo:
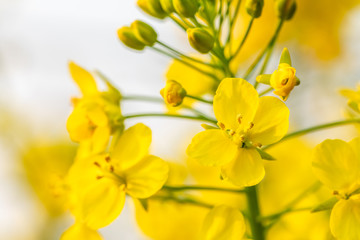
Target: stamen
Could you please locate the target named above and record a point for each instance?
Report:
(99, 177)
(335, 193)
(251, 125)
(107, 159)
(239, 118)
(232, 132)
(221, 125)
(97, 164)
(111, 168)
(258, 145)
(284, 81)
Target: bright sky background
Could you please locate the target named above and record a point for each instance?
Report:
(39, 37)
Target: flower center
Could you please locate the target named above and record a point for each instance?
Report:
(108, 171)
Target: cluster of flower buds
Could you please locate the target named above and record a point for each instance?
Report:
(138, 35)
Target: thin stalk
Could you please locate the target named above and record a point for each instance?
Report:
(159, 100)
(257, 228)
(243, 40)
(231, 23)
(203, 188)
(178, 22)
(187, 57)
(182, 201)
(185, 63)
(257, 60)
(200, 99)
(265, 91)
(198, 118)
(314, 129)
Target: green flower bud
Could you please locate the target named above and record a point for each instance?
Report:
(167, 5)
(144, 32)
(186, 8)
(152, 7)
(285, 9)
(127, 36)
(254, 7)
(200, 39)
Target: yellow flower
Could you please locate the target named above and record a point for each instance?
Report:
(173, 93)
(223, 223)
(80, 231)
(283, 80)
(100, 183)
(353, 97)
(94, 114)
(246, 122)
(337, 165)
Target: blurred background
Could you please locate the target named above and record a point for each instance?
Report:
(39, 37)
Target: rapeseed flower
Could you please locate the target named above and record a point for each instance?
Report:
(246, 123)
(100, 183)
(337, 165)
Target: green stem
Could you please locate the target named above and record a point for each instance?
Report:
(187, 57)
(257, 228)
(178, 22)
(265, 91)
(182, 201)
(314, 129)
(199, 99)
(159, 100)
(186, 63)
(199, 118)
(204, 188)
(231, 25)
(243, 40)
(257, 60)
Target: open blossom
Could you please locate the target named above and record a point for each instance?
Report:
(246, 122)
(337, 164)
(100, 183)
(92, 119)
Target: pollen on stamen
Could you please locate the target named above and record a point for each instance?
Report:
(335, 193)
(251, 125)
(258, 145)
(99, 177)
(221, 125)
(97, 164)
(239, 118)
(232, 132)
(107, 159)
(111, 168)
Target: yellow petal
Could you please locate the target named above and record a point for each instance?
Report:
(235, 96)
(132, 146)
(78, 125)
(247, 169)
(97, 115)
(212, 148)
(100, 139)
(83, 79)
(336, 165)
(146, 177)
(79, 231)
(345, 219)
(102, 203)
(271, 121)
(223, 223)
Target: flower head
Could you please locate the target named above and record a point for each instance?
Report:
(173, 93)
(246, 123)
(337, 164)
(101, 182)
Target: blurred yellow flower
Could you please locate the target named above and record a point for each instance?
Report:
(246, 122)
(99, 183)
(337, 165)
(223, 223)
(94, 114)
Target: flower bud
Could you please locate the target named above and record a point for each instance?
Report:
(127, 36)
(254, 7)
(285, 9)
(152, 7)
(173, 93)
(186, 8)
(167, 5)
(283, 80)
(144, 32)
(200, 39)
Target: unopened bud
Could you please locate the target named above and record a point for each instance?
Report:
(186, 8)
(144, 32)
(173, 93)
(152, 7)
(200, 39)
(254, 7)
(127, 36)
(167, 5)
(285, 9)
